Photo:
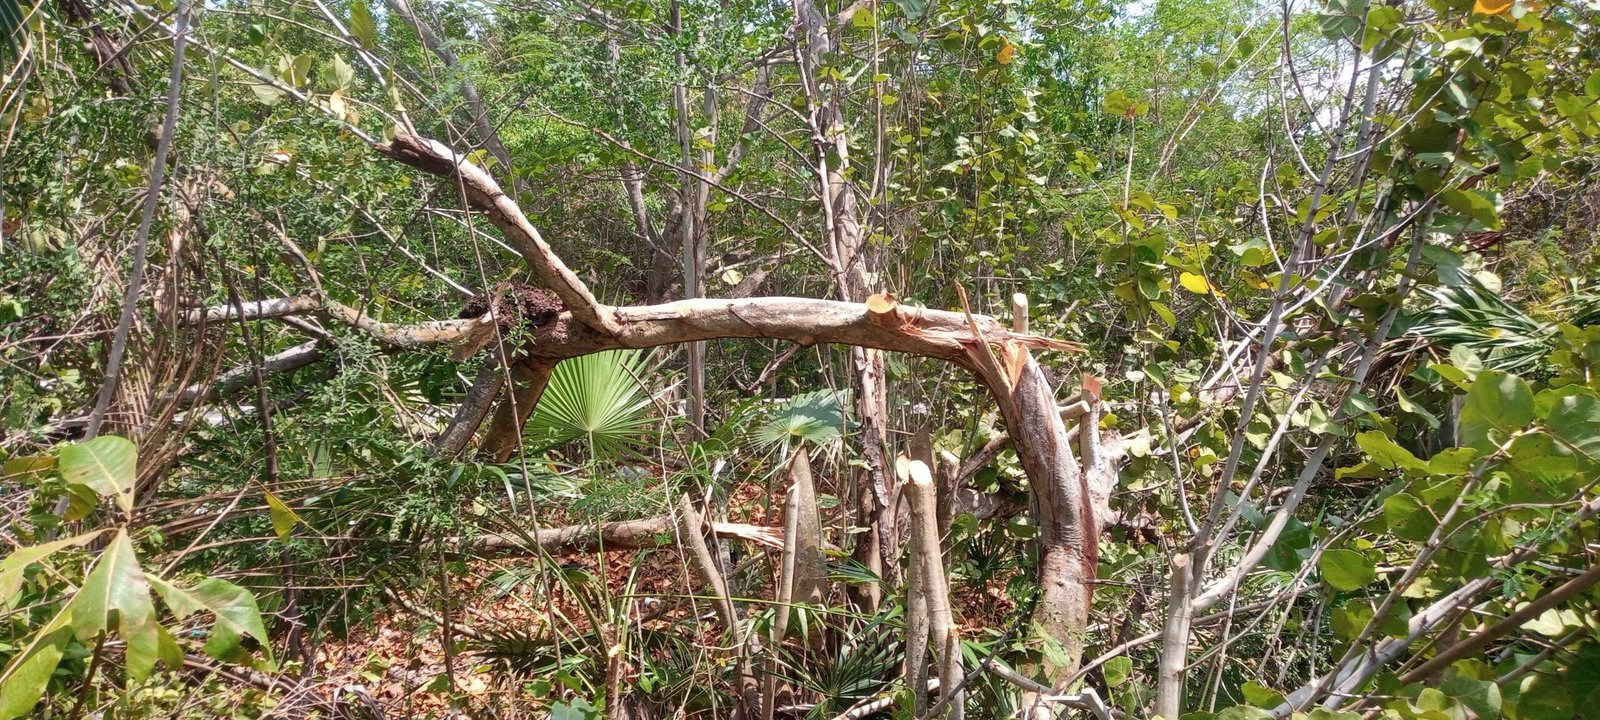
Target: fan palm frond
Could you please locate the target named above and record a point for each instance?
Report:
(1471, 315)
(815, 418)
(12, 14)
(595, 398)
(868, 663)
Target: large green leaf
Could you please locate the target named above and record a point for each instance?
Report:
(362, 25)
(107, 464)
(1346, 569)
(118, 584)
(1472, 683)
(1497, 404)
(1543, 464)
(1575, 420)
(25, 678)
(1386, 453)
(234, 607)
(1583, 677)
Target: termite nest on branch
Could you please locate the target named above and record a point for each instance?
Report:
(515, 302)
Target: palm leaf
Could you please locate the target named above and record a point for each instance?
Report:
(1471, 315)
(12, 13)
(815, 418)
(595, 398)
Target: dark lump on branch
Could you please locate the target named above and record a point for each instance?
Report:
(516, 301)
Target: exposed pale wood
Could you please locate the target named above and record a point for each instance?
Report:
(933, 333)
(916, 663)
(1019, 312)
(784, 597)
(1173, 662)
(882, 305)
(929, 561)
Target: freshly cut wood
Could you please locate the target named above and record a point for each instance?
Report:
(1019, 312)
(935, 587)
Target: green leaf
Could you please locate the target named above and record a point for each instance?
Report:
(1473, 204)
(1350, 618)
(15, 564)
(343, 74)
(1260, 696)
(1539, 457)
(1407, 405)
(1408, 518)
(1497, 404)
(235, 610)
(1244, 712)
(597, 398)
(575, 709)
(1454, 461)
(362, 25)
(1322, 713)
(266, 94)
(107, 464)
(1346, 570)
(1583, 677)
(81, 502)
(1386, 453)
(284, 518)
(1117, 670)
(117, 585)
(1117, 103)
(28, 468)
(25, 677)
(1575, 419)
(1543, 698)
(1554, 622)
(1482, 696)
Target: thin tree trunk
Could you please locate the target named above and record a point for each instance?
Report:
(928, 563)
(1174, 643)
(504, 435)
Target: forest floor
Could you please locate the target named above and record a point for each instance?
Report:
(397, 660)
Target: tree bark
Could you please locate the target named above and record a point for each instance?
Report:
(620, 535)
(928, 561)
(503, 437)
(478, 118)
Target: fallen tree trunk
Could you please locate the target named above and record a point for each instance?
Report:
(1070, 496)
(619, 535)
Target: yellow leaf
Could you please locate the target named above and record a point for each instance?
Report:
(1009, 51)
(1195, 283)
(1491, 7)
